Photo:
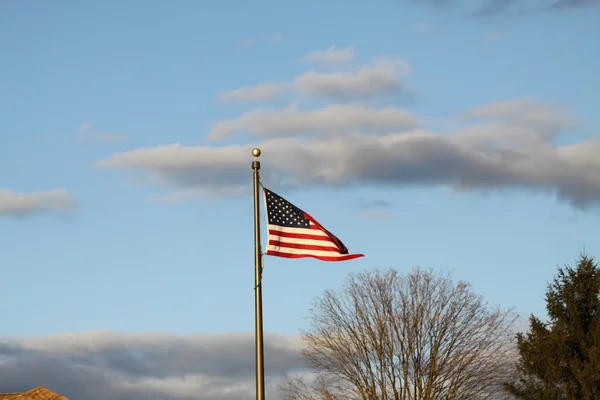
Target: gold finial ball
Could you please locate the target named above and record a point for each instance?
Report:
(256, 152)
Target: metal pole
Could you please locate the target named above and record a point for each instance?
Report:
(258, 321)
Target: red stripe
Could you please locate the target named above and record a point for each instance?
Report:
(301, 246)
(338, 243)
(298, 235)
(341, 257)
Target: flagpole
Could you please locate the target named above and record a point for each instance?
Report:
(258, 320)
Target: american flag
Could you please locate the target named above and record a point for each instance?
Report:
(295, 234)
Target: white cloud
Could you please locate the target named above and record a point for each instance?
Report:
(527, 112)
(384, 76)
(505, 145)
(15, 204)
(108, 365)
(509, 145)
(331, 56)
(520, 123)
(262, 92)
(381, 77)
(330, 119)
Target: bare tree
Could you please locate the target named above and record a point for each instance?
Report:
(419, 336)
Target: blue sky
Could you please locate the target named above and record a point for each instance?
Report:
(420, 134)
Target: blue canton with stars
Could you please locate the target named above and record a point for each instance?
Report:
(281, 212)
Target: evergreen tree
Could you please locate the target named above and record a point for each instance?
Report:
(561, 359)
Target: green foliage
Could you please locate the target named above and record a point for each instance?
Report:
(561, 359)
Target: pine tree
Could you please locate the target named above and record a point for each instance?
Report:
(561, 359)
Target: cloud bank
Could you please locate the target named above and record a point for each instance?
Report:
(106, 365)
(13, 204)
(383, 76)
(331, 118)
(496, 149)
(352, 140)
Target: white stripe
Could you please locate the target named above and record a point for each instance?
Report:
(302, 251)
(284, 240)
(303, 231)
(310, 242)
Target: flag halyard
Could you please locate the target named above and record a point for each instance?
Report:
(292, 233)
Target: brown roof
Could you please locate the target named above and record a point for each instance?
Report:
(39, 393)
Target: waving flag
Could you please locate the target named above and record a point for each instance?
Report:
(292, 233)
